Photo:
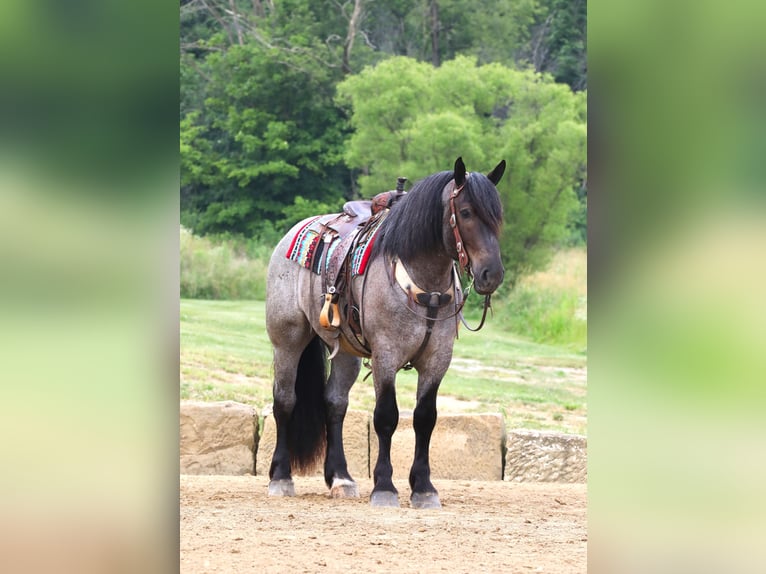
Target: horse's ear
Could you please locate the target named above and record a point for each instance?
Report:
(496, 174)
(459, 172)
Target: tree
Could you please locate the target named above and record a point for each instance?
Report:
(412, 119)
(557, 42)
(268, 133)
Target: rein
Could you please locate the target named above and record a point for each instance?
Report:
(397, 273)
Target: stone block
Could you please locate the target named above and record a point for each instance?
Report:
(546, 456)
(217, 438)
(463, 447)
(355, 441)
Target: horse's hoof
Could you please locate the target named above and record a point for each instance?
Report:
(344, 488)
(425, 500)
(283, 487)
(384, 498)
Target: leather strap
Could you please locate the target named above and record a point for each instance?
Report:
(415, 293)
(462, 254)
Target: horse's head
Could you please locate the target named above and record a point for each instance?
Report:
(474, 215)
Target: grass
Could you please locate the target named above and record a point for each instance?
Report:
(226, 355)
(550, 306)
(222, 268)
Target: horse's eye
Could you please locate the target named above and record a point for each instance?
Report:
(465, 213)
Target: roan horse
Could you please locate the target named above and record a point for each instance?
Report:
(407, 302)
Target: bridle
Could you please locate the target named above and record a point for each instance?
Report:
(434, 301)
(462, 254)
(418, 296)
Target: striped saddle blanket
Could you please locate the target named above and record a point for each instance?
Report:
(328, 241)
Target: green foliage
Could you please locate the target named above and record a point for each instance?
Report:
(409, 116)
(550, 306)
(222, 268)
(503, 31)
(302, 208)
(557, 41)
(545, 316)
(266, 138)
(268, 132)
(545, 145)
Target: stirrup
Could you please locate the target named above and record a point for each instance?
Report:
(329, 317)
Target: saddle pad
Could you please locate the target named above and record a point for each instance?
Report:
(308, 245)
(304, 244)
(361, 255)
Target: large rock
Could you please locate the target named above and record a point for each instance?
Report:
(463, 446)
(218, 438)
(545, 456)
(355, 442)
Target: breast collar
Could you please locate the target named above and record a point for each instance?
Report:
(416, 294)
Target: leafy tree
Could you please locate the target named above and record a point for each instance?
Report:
(268, 131)
(262, 139)
(438, 30)
(557, 42)
(409, 116)
(547, 35)
(545, 144)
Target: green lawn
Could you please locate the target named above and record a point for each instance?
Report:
(226, 355)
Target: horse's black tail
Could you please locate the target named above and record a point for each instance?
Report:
(307, 430)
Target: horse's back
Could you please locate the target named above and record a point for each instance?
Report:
(281, 269)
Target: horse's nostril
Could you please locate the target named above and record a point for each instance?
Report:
(485, 274)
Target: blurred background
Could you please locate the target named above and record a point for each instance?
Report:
(677, 329)
(88, 285)
(93, 187)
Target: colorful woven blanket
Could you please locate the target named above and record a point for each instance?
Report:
(309, 244)
(312, 245)
(361, 253)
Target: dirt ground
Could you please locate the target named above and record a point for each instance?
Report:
(229, 524)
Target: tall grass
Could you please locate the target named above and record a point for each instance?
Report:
(550, 306)
(222, 268)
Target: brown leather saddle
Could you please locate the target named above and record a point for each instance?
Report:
(345, 228)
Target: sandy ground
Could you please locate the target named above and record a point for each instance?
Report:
(229, 524)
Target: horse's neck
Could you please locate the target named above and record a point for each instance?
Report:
(431, 272)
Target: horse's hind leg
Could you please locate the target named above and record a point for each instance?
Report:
(345, 369)
(424, 494)
(286, 359)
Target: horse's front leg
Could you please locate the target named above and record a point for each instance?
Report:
(424, 495)
(345, 369)
(385, 420)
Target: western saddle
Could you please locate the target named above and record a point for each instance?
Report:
(349, 230)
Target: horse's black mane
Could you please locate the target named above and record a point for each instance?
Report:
(415, 222)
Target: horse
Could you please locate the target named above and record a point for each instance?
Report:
(407, 302)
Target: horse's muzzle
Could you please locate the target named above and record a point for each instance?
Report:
(488, 279)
